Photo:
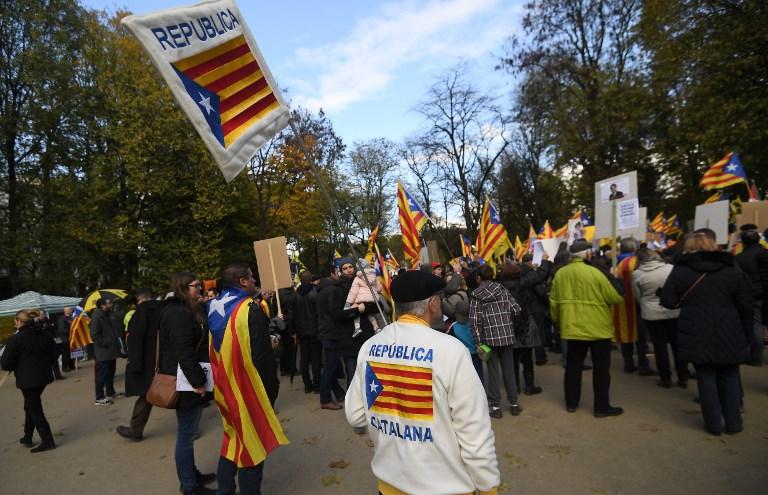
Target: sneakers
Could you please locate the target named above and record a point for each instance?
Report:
(126, 432)
(495, 412)
(359, 430)
(103, 402)
(515, 409)
(611, 411)
(357, 332)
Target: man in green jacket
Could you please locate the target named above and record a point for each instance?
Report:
(580, 303)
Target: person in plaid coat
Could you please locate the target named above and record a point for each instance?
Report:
(491, 315)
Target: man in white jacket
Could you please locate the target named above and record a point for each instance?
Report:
(417, 392)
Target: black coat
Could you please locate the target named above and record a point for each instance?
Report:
(305, 311)
(762, 270)
(262, 355)
(747, 261)
(287, 304)
(327, 329)
(522, 289)
(142, 335)
(183, 343)
(29, 353)
(345, 319)
(715, 321)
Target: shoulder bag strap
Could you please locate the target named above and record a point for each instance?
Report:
(690, 289)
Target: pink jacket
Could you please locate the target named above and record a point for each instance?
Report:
(360, 293)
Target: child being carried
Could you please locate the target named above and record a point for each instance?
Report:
(360, 293)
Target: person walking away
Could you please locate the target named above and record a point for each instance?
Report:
(183, 346)
(527, 335)
(62, 332)
(360, 293)
(455, 306)
(106, 349)
(580, 304)
(29, 353)
(715, 326)
(416, 390)
(329, 333)
(310, 347)
(491, 313)
(140, 370)
(747, 261)
(246, 384)
(629, 332)
(647, 281)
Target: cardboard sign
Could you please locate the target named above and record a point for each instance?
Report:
(607, 192)
(627, 214)
(755, 212)
(713, 216)
(575, 231)
(434, 254)
(273, 264)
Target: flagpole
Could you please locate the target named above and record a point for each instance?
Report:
(334, 208)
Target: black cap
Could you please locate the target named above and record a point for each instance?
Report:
(580, 245)
(415, 285)
(747, 227)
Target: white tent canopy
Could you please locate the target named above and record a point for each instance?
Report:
(34, 300)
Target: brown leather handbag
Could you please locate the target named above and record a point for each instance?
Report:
(162, 391)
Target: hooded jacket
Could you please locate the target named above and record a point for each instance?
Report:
(580, 302)
(647, 279)
(491, 313)
(715, 321)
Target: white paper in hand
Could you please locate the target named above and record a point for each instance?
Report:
(183, 385)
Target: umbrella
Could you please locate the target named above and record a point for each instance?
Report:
(89, 302)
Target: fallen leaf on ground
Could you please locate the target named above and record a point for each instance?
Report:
(340, 464)
(309, 441)
(331, 479)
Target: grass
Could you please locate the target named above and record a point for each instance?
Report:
(6, 328)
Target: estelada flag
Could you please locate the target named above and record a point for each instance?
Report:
(726, 172)
(382, 273)
(79, 329)
(210, 61)
(251, 428)
(412, 220)
(466, 246)
(397, 390)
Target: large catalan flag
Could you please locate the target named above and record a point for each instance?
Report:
(210, 61)
(412, 220)
(726, 172)
(397, 390)
(658, 224)
(79, 329)
(251, 428)
(492, 236)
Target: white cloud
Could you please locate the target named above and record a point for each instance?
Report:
(401, 34)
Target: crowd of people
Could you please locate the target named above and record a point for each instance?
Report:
(461, 333)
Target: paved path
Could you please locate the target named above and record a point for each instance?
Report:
(657, 447)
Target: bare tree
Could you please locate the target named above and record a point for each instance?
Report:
(466, 136)
(373, 167)
(420, 161)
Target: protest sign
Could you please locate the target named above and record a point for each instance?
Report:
(273, 264)
(215, 70)
(183, 385)
(713, 216)
(627, 214)
(608, 191)
(755, 212)
(548, 246)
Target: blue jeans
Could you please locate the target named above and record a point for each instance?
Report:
(248, 478)
(329, 379)
(188, 421)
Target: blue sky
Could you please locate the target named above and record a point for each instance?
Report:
(367, 63)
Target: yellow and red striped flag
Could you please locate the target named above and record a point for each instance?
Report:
(531, 238)
(546, 231)
(210, 61)
(79, 329)
(412, 220)
(658, 223)
(520, 248)
(466, 246)
(371, 242)
(380, 266)
(397, 390)
(726, 172)
(492, 240)
(251, 428)
(561, 233)
(391, 261)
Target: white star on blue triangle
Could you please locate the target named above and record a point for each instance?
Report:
(373, 387)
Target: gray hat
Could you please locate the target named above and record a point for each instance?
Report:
(580, 245)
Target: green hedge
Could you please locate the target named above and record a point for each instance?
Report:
(6, 328)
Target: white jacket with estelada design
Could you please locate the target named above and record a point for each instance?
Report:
(425, 408)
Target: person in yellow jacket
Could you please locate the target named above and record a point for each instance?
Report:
(580, 304)
(417, 392)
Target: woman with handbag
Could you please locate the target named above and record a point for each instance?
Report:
(715, 323)
(30, 353)
(183, 345)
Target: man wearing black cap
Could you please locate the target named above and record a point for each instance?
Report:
(747, 261)
(418, 393)
(580, 303)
